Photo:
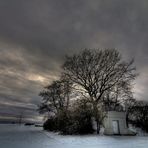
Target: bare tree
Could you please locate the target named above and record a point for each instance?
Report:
(118, 98)
(96, 72)
(138, 114)
(129, 104)
(55, 97)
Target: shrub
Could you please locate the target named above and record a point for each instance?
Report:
(50, 124)
(139, 116)
(79, 120)
(76, 121)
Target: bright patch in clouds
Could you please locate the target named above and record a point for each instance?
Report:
(35, 77)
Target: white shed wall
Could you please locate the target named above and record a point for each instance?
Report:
(116, 116)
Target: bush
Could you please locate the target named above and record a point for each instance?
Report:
(50, 124)
(77, 121)
(78, 124)
(139, 116)
(57, 123)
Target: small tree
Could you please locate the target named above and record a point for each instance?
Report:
(129, 104)
(118, 98)
(95, 72)
(56, 97)
(138, 115)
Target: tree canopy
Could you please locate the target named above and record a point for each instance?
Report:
(100, 73)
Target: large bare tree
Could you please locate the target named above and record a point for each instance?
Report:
(97, 73)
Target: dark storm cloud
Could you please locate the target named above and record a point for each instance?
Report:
(36, 34)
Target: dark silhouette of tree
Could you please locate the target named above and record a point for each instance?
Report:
(55, 97)
(118, 98)
(129, 104)
(97, 73)
(138, 115)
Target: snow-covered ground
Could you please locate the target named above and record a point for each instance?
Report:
(16, 136)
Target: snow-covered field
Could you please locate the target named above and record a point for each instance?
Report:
(16, 136)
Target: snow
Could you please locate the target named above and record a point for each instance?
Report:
(19, 136)
(139, 131)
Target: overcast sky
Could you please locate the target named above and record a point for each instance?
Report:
(36, 34)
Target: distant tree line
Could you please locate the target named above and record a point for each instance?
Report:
(92, 82)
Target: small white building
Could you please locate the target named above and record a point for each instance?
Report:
(115, 124)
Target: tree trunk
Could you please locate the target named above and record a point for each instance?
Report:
(98, 127)
(96, 115)
(127, 120)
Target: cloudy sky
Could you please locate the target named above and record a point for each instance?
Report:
(36, 34)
